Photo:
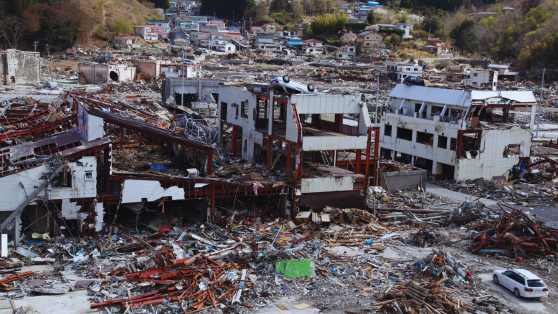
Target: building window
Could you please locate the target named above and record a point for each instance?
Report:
(425, 138)
(236, 112)
(405, 134)
(442, 142)
(244, 108)
(475, 74)
(453, 144)
(387, 130)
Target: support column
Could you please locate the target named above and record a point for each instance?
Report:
(270, 114)
(289, 161)
(358, 160)
(393, 154)
(335, 158)
(234, 143)
(211, 205)
(210, 162)
(282, 206)
(17, 228)
(413, 161)
(269, 157)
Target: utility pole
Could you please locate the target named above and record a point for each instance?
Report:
(35, 43)
(540, 103)
(377, 94)
(182, 102)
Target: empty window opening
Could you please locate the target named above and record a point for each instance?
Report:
(511, 150)
(425, 138)
(471, 143)
(387, 130)
(405, 134)
(113, 76)
(443, 142)
(453, 144)
(244, 109)
(89, 175)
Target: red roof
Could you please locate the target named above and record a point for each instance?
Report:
(434, 39)
(312, 41)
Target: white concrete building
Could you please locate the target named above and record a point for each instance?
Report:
(482, 79)
(398, 71)
(406, 27)
(346, 53)
(330, 131)
(452, 134)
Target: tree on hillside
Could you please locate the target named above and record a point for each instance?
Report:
(371, 18)
(11, 30)
(349, 37)
(226, 7)
(161, 4)
(464, 36)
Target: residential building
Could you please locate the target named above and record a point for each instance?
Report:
(161, 23)
(405, 27)
(269, 28)
(398, 71)
(125, 40)
(312, 46)
(361, 17)
(481, 78)
(504, 72)
(386, 26)
(233, 36)
(226, 47)
(371, 40)
(345, 9)
(456, 73)
(267, 42)
(306, 135)
(456, 134)
(435, 46)
(346, 53)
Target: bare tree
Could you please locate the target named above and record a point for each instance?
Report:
(11, 30)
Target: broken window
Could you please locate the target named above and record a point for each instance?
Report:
(405, 134)
(453, 144)
(387, 130)
(88, 175)
(224, 111)
(475, 74)
(236, 112)
(511, 150)
(471, 143)
(244, 109)
(442, 141)
(425, 138)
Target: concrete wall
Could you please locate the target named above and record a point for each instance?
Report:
(91, 73)
(202, 88)
(84, 184)
(24, 67)
(152, 68)
(408, 180)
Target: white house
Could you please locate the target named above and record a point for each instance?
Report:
(399, 71)
(406, 27)
(346, 53)
(312, 46)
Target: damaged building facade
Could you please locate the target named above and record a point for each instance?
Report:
(457, 134)
(20, 67)
(324, 144)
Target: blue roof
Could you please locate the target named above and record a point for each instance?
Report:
(294, 43)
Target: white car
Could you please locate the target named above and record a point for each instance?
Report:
(522, 282)
(293, 87)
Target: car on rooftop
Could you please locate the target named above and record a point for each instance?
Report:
(293, 87)
(522, 282)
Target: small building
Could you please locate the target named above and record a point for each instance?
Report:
(151, 67)
(125, 40)
(504, 72)
(371, 40)
(346, 53)
(269, 28)
(406, 27)
(312, 46)
(143, 31)
(161, 23)
(482, 79)
(20, 67)
(456, 73)
(435, 46)
(96, 73)
(399, 71)
(227, 47)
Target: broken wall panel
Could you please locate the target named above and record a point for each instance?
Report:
(133, 191)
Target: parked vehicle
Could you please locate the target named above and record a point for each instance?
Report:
(522, 282)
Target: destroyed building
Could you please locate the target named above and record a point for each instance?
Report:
(457, 134)
(96, 73)
(324, 143)
(20, 67)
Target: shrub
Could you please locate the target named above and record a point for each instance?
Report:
(100, 32)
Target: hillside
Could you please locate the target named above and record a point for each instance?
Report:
(61, 24)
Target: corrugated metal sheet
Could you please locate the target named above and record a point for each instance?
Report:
(518, 96)
(432, 95)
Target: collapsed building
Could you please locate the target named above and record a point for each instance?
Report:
(326, 144)
(20, 67)
(457, 134)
